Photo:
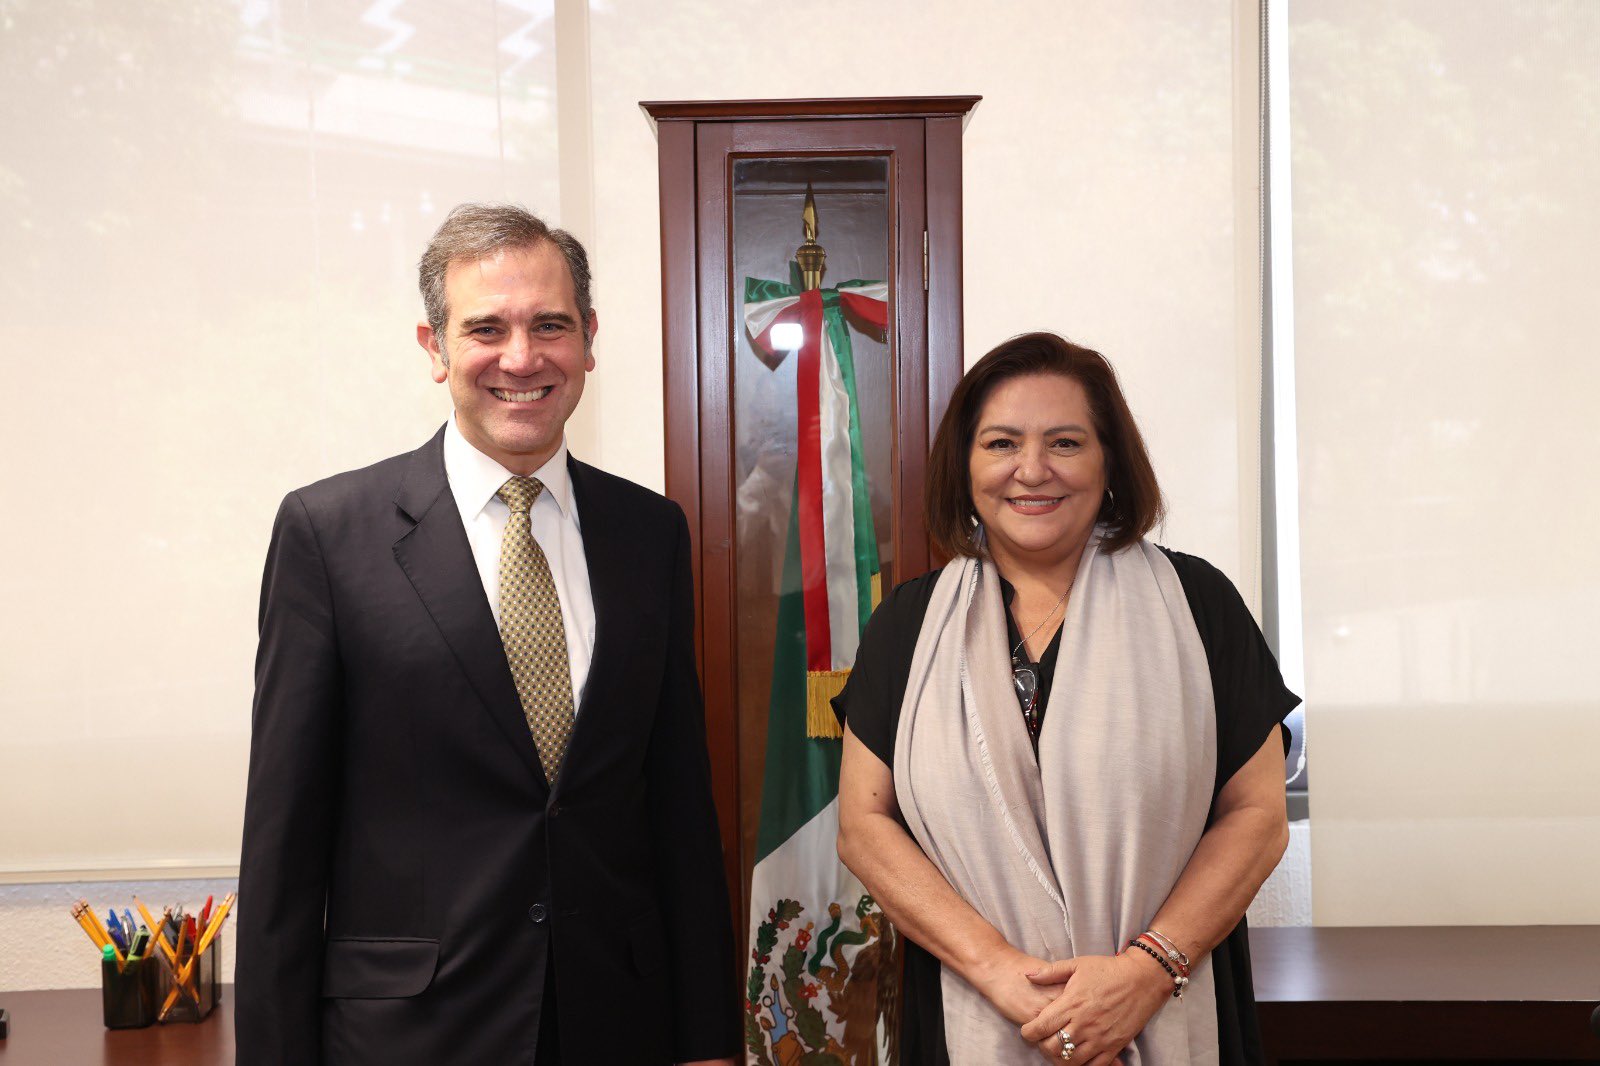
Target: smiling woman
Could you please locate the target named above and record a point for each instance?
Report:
(999, 842)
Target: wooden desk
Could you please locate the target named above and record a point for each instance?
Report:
(1488, 993)
(64, 1028)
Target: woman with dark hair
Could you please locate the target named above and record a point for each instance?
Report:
(1072, 882)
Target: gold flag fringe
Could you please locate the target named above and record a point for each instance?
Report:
(822, 686)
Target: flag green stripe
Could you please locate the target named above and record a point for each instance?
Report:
(801, 775)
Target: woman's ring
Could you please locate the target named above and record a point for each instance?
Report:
(1067, 1046)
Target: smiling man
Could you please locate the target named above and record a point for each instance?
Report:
(479, 825)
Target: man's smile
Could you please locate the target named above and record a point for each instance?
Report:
(522, 397)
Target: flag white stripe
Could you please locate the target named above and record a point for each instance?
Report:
(758, 316)
(838, 511)
(805, 868)
(877, 290)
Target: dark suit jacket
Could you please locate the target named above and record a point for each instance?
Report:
(406, 872)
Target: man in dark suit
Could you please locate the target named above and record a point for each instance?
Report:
(479, 825)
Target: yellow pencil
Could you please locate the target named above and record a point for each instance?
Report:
(105, 935)
(215, 925)
(158, 930)
(187, 972)
(87, 926)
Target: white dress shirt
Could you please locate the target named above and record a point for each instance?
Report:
(474, 479)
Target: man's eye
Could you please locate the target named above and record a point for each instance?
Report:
(550, 327)
(483, 331)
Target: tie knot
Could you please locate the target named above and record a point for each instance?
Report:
(520, 492)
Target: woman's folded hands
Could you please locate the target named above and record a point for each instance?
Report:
(1101, 1001)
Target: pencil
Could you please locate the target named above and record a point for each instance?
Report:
(215, 926)
(105, 935)
(186, 972)
(158, 929)
(87, 926)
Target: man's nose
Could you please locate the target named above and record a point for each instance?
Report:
(519, 357)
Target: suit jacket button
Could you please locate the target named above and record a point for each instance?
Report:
(555, 810)
(537, 912)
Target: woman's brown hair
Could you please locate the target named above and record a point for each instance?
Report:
(1132, 507)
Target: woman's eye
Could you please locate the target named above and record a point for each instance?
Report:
(1000, 444)
(1065, 443)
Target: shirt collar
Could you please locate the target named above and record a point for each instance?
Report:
(475, 478)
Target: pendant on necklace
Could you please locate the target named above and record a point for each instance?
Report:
(1025, 679)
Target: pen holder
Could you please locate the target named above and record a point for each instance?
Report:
(195, 998)
(129, 998)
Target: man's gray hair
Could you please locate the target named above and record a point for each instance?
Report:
(477, 231)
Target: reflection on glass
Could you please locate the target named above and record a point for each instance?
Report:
(812, 387)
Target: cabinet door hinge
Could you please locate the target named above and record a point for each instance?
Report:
(924, 260)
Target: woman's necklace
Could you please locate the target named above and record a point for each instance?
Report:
(1025, 675)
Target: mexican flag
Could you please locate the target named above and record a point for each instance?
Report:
(824, 965)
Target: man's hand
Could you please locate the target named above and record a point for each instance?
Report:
(1107, 1001)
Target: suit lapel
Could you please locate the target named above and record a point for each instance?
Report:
(436, 558)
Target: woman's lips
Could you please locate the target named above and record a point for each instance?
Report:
(1034, 505)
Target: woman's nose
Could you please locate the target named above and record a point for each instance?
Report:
(1031, 467)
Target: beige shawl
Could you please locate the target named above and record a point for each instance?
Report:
(1074, 853)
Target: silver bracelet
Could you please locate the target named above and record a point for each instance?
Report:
(1170, 948)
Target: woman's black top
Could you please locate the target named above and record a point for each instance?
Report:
(1251, 701)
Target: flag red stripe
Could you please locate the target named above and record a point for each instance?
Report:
(813, 560)
(868, 309)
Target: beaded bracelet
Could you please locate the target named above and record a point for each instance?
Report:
(1181, 963)
(1164, 942)
(1178, 981)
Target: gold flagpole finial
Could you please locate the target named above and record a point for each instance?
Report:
(810, 256)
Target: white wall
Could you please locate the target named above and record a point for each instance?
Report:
(1099, 199)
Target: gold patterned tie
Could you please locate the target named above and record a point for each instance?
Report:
(531, 629)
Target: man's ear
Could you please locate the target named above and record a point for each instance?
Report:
(432, 344)
(590, 328)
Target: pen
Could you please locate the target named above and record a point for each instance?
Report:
(139, 943)
(115, 929)
(205, 913)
